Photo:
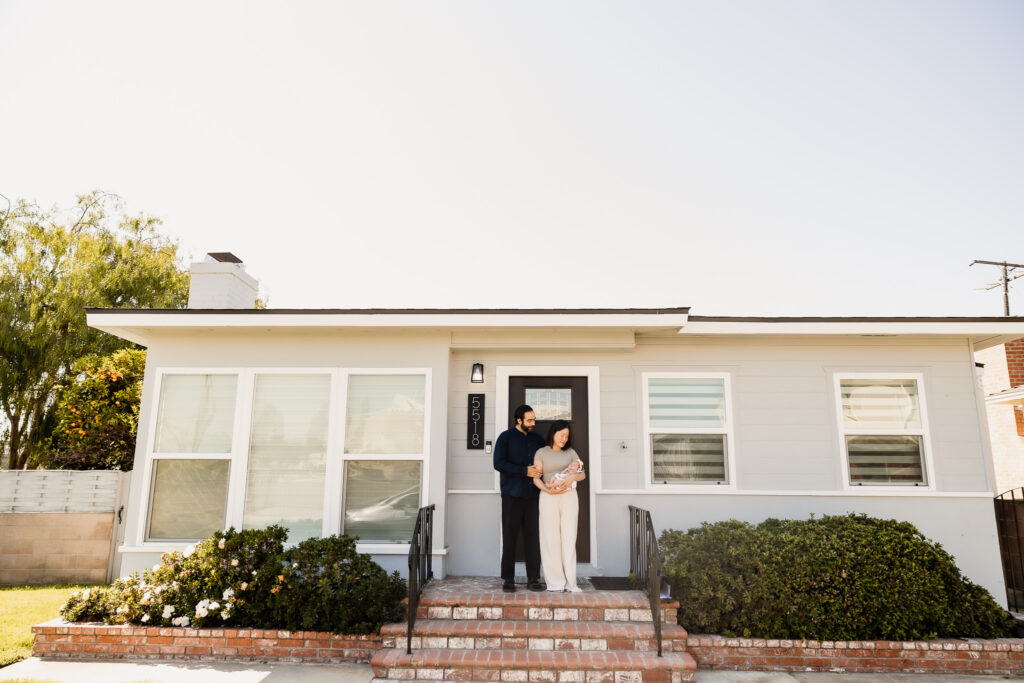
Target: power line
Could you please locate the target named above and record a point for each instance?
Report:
(1005, 280)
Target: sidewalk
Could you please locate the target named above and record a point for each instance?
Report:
(214, 672)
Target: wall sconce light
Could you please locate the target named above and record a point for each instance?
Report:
(477, 376)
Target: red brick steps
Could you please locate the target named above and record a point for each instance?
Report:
(532, 665)
(472, 631)
(535, 635)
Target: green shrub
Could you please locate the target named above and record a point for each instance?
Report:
(248, 578)
(327, 586)
(847, 577)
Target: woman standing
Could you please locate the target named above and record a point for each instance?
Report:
(559, 507)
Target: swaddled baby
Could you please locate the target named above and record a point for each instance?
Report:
(557, 480)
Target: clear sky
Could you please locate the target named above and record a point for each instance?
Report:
(765, 157)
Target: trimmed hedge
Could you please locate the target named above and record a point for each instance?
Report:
(847, 577)
(248, 578)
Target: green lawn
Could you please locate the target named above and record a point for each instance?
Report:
(21, 607)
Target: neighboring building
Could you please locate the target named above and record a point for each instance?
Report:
(349, 420)
(1004, 395)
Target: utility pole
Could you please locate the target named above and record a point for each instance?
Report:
(1008, 277)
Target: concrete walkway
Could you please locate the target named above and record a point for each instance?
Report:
(182, 672)
(55, 671)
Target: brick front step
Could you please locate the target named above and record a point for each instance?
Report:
(588, 606)
(535, 635)
(534, 666)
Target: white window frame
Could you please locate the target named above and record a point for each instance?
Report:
(238, 456)
(343, 457)
(727, 431)
(239, 481)
(927, 464)
(146, 501)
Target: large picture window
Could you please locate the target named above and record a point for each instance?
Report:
(687, 424)
(288, 454)
(317, 451)
(883, 430)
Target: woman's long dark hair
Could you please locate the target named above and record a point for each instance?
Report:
(556, 427)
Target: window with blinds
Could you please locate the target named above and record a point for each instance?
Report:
(191, 456)
(288, 454)
(883, 430)
(687, 428)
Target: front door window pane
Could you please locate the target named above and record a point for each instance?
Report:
(550, 404)
(382, 499)
(196, 414)
(384, 414)
(287, 454)
(189, 499)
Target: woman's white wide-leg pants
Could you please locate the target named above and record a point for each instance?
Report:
(559, 515)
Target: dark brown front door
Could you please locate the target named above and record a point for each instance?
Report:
(559, 398)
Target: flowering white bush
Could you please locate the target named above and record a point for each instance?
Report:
(186, 584)
(248, 578)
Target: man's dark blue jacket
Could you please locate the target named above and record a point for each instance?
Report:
(513, 453)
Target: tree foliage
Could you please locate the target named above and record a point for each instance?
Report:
(53, 265)
(97, 414)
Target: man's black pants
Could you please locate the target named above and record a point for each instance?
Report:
(520, 515)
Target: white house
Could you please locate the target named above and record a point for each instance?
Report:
(332, 421)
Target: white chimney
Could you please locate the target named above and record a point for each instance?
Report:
(220, 281)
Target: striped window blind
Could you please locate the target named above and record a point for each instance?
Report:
(686, 403)
(686, 426)
(679, 458)
(883, 431)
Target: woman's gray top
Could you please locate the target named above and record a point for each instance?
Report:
(553, 462)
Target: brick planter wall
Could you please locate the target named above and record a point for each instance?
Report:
(961, 656)
(59, 639)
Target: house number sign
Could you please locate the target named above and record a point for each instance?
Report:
(475, 423)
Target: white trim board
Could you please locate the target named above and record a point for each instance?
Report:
(863, 492)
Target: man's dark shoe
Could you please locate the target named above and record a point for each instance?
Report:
(509, 586)
(535, 585)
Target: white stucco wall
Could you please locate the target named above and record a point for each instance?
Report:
(787, 445)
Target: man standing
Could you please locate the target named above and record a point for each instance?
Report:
(513, 457)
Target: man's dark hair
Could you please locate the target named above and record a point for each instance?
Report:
(520, 413)
(558, 426)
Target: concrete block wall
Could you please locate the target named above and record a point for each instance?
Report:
(47, 548)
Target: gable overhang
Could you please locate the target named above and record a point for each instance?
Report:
(982, 333)
(140, 325)
(1009, 397)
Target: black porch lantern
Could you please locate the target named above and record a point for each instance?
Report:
(477, 376)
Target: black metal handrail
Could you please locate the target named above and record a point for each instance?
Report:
(645, 563)
(420, 564)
